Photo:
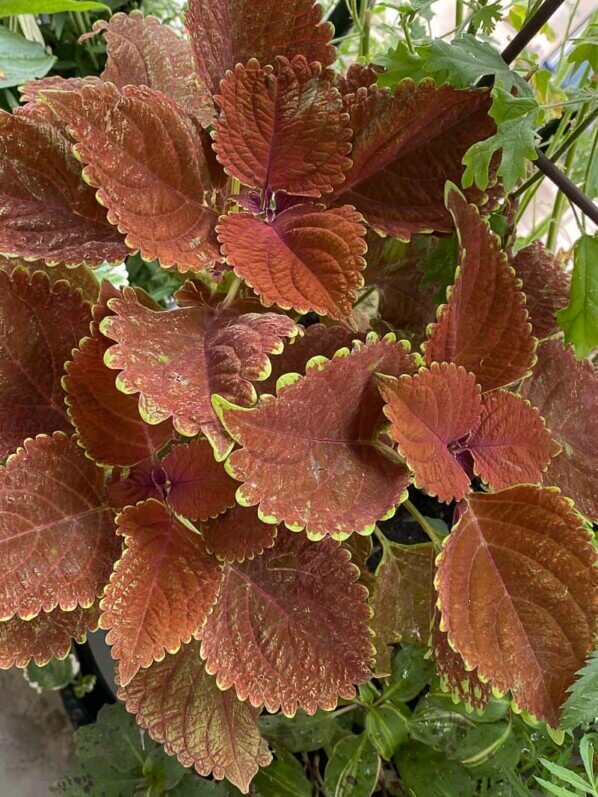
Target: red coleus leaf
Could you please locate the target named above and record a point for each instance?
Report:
(290, 627)
(45, 637)
(57, 538)
(144, 481)
(177, 359)
(484, 326)
(545, 285)
(307, 258)
(144, 52)
(79, 278)
(463, 683)
(161, 590)
(317, 340)
(517, 591)
(230, 32)
(46, 211)
(565, 392)
(429, 412)
(39, 325)
(282, 127)
(107, 421)
(405, 146)
(310, 457)
(197, 486)
(155, 194)
(239, 534)
(31, 92)
(400, 599)
(510, 444)
(181, 707)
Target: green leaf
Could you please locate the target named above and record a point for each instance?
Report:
(586, 48)
(460, 63)
(411, 671)
(285, 775)
(485, 17)
(387, 726)
(579, 320)
(439, 266)
(21, 60)
(566, 775)
(515, 138)
(9, 8)
(193, 786)
(587, 751)
(301, 733)
(488, 749)
(559, 791)
(425, 771)
(353, 769)
(581, 706)
(115, 759)
(56, 674)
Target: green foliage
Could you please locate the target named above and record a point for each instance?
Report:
(352, 770)
(21, 60)
(387, 727)
(283, 776)
(579, 320)
(515, 118)
(439, 266)
(411, 671)
(582, 704)
(426, 771)
(58, 674)
(300, 733)
(11, 7)
(459, 63)
(586, 48)
(115, 759)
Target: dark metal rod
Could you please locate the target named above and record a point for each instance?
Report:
(569, 189)
(530, 28)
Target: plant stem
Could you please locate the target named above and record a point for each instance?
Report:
(365, 19)
(232, 292)
(458, 13)
(406, 34)
(425, 525)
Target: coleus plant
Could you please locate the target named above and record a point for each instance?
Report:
(201, 481)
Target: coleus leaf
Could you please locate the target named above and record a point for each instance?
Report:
(428, 413)
(39, 325)
(461, 682)
(484, 326)
(317, 340)
(177, 359)
(517, 593)
(46, 211)
(545, 285)
(144, 52)
(290, 627)
(510, 444)
(405, 146)
(80, 278)
(400, 598)
(282, 127)
(565, 390)
(45, 637)
(307, 258)
(107, 421)
(161, 590)
(405, 297)
(181, 707)
(56, 533)
(31, 94)
(160, 205)
(310, 457)
(238, 534)
(230, 32)
(197, 486)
